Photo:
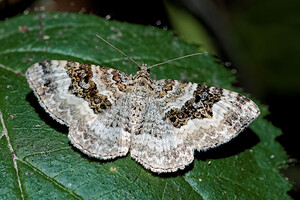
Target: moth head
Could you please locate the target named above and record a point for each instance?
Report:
(144, 68)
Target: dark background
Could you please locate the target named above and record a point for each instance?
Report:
(257, 39)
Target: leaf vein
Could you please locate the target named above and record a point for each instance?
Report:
(51, 180)
(45, 152)
(13, 155)
(130, 183)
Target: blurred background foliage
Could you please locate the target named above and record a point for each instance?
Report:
(259, 40)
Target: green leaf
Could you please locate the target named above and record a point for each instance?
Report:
(188, 27)
(37, 160)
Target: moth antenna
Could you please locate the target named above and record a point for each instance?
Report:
(119, 51)
(181, 57)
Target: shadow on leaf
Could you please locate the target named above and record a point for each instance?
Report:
(33, 101)
(245, 140)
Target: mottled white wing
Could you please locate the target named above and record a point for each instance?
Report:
(156, 146)
(88, 99)
(184, 116)
(204, 116)
(181, 117)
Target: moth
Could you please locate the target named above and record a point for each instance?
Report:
(160, 122)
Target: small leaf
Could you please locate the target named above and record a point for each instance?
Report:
(38, 162)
